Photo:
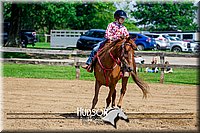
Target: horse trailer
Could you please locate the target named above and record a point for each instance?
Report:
(65, 38)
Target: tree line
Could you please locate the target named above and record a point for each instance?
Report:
(45, 16)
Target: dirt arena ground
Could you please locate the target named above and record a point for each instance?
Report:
(34, 96)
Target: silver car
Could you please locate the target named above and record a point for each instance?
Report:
(179, 46)
(162, 43)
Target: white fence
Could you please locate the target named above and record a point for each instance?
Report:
(65, 38)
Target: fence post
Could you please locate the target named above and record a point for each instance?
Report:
(77, 66)
(46, 37)
(162, 59)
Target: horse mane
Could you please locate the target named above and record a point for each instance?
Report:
(108, 46)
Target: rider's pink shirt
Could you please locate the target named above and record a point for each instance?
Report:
(115, 30)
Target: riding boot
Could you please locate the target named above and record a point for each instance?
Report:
(91, 66)
(85, 66)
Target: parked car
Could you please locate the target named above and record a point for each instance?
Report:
(143, 42)
(179, 46)
(176, 38)
(26, 36)
(5, 37)
(193, 45)
(197, 48)
(162, 42)
(88, 40)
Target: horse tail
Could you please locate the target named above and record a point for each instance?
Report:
(143, 86)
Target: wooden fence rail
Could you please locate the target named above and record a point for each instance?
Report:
(86, 53)
(77, 53)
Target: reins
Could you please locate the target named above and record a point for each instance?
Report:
(108, 69)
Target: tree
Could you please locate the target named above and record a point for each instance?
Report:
(45, 16)
(93, 15)
(13, 36)
(165, 16)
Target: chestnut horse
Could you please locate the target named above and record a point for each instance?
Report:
(111, 59)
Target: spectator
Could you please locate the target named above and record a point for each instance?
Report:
(168, 68)
(139, 60)
(154, 69)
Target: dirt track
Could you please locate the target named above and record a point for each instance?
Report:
(62, 96)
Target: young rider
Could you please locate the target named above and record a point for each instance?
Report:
(113, 32)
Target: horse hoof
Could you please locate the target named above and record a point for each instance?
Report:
(119, 106)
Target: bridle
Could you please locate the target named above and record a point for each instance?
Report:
(125, 55)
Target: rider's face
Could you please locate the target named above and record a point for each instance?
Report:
(121, 20)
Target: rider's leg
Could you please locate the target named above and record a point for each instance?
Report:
(91, 56)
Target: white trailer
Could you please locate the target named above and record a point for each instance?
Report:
(65, 38)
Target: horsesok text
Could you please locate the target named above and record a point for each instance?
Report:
(81, 112)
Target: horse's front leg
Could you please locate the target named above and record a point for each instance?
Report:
(95, 99)
(110, 95)
(123, 91)
(113, 98)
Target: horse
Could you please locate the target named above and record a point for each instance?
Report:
(111, 60)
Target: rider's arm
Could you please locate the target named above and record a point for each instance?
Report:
(110, 32)
(125, 32)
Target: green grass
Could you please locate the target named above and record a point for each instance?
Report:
(16, 55)
(40, 45)
(180, 76)
(44, 45)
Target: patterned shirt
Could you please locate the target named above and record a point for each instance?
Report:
(115, 30)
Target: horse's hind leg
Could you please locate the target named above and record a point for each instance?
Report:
(95, 99)
(108, 99)
(123, 91)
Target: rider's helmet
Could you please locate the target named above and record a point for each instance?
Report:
(120, 14)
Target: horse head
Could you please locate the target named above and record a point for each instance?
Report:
(127, 53)
(113, 116)
(122, 115)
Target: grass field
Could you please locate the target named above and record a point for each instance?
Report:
(180, 75)
(40, 45)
